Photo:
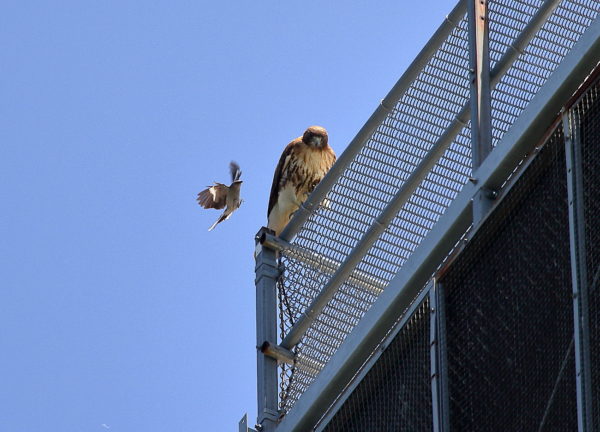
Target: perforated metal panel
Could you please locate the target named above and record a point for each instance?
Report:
(509, 310)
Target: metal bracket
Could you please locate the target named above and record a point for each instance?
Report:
(277, 352)
(483, 201)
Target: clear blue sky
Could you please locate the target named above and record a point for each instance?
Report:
(117, 308)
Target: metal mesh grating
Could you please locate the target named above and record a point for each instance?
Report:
(588, 110)
(396, 392)
(424, 113)
(511, 358)
(543, 54)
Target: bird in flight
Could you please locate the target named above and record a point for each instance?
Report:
(220, 195)
(302, 165)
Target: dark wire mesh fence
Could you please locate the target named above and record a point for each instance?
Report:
(424, 114)
(395, 395)
(509, 310)
(588, 112)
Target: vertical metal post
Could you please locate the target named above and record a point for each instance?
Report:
(435, 374)
(578, 272)
(443, 357)
(439, 370)
(267, 273)
(481, 118)
(479, 64)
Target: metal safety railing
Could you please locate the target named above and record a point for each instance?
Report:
(395, 181)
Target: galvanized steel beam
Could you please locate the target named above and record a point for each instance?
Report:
(579, 275)
(479, 64)
(481, 109)
(267, 273)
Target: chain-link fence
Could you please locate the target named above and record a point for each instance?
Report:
(528, 40)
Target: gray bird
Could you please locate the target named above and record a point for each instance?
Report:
(220, 195)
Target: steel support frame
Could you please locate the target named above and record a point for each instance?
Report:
(529, 128)
(579, 277)
(267, 273)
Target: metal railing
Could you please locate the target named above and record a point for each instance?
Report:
(401, 173)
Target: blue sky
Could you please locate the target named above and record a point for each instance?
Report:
(118, 310)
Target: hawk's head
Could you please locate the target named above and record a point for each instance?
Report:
(315, 136)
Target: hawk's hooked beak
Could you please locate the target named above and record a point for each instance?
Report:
(316, 141)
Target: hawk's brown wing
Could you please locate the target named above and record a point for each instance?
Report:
(214, 196)
(281, 168)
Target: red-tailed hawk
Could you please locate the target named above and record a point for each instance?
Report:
(302, 165)
(220, 195)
